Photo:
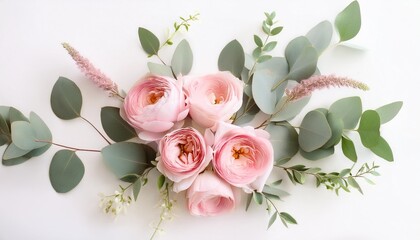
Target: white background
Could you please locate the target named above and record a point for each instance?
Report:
(31, 59)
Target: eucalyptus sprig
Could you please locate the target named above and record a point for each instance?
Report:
(167, 203)
(185, 23)
(334, 181)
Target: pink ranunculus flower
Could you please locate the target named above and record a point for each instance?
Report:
(155, 105)
(214, 97)
(209, 195)
(243, 156)
(183, 155)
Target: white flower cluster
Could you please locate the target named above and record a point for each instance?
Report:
(115, 204)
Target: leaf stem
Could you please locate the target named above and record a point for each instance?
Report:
(68, 147)
(96, 130)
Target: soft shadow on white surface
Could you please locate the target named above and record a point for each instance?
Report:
(32, 58)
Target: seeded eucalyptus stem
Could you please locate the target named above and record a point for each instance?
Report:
(96, 129)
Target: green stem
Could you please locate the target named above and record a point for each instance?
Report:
(68, 147)
(96, 130)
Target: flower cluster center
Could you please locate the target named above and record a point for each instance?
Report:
(238, 152)
(186, 149)
(154, 96)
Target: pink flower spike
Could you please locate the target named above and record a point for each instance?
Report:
(92, 73)
(307, 86)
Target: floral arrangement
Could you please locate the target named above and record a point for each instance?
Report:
(215, 137)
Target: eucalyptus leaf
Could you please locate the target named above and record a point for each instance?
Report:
(272, 220)
(320, 36)
(258, 41)
(149, 42)
(5, 136)
(348, 21)
(275, 191)
(314, 131)
(232, 58)
(27, 156)
(349, 110)
(115, 126)
(66, 99)
(354, 184)
(270, 46)
(348, 148)
(161, 181)
(182, 59)
(42, 132)
(4, 112)
(389, 111)
(288, 111)
(288, 218)
(295, 48)
(337, 126)
(16, 115)
(317, 154)
(66, 171)
(24, 136)
(369, 128)
(12, 151)
(258, 197)
(305, 65)
(383, 150)
(284, 139)
(127, 158)
(136, 188)
(267, 74)
(160, 69)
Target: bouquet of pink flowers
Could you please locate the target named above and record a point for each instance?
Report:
(218, 136)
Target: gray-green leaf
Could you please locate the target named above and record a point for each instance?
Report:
(66, 99)
(349, 110)
(160, 69)
(348, 148)
(115, 127)
(383, 150)
(284, 139)
(369, 128)
(389, 111)
(314, 131)
(348, 21)
(66, 171)
(320, 36)
(182, 59)
(232, 58)
(149, 42)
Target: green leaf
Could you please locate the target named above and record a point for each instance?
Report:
(337, 126)
(258, 197)
(305, 65)
(258, 41)
(354, 184)
(16, 115)
(272, 219)
(264, 78)
(348, 148)
(12, 151)
(383, 150)
(115, 126)
(369, 128)
(314, 131)
(66, 171)
(389, 111)
(5, 136)
(24, 158)
(24, 136)
(160, 69)
(276, 31)
(349, 110)
(4, 112)
(136, 188)
(284, 139)
(274, 191)
(42, 132)
(127, 158)
(232, 58)
(182, 59)
(66, 99)
(295, 48)
(149, 42)
(263, 58)
(248, 201)
(131, 178)
(317, 154)
(345, 172)
(288, 218)
(288, 111)
(299, 177)
(161, 181)
(270, 46)
(320, 36)
(348, 22)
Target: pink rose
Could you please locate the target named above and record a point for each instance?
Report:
(209, 196)
(243, 156)
(183, 155)
(213, 98)
(155, 105)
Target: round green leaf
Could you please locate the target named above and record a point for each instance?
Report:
(160, 69)
(42, 132)
(337, 126)
(284, 139)
(4, 112)
(383, 150)
(267, 74)
(16, 115)
(314, 131)
(317, 154)
(149, 42)
(295, 48)
(115, 126)
(369, 128)
(12, 151)
(305, 65)
(290, 110)
(5, 136)
(348, 21)
(232, 58)
(349, 110)
(127, 158)
(24, 136)
(182, 59)
(66, 99)
(66, 171)
(320, 36)
(24, 158)
(348, 148)
(389, 111)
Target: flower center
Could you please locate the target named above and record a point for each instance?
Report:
(186, 149)
(154, 96)
(216, 100)
(238, 152)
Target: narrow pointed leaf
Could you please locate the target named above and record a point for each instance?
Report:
(136, 188)
(389, 111)
(354, 184)
(272, 220)
(348, 148)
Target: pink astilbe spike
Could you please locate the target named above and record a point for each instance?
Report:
(92, 73)
(307, 86)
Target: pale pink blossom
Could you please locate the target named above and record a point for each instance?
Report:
(213, 98)
(91, 72)
(209, 195)
(183, 155)
(154, 106)
(243, 156)
(307, 86)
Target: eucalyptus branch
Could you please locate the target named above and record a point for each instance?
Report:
(184, 23)
(97, 130)
(68, 147)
